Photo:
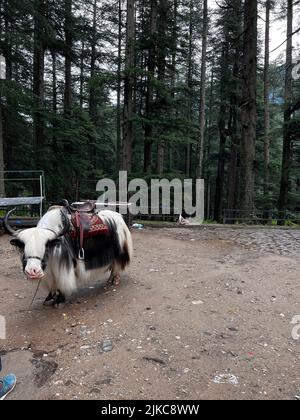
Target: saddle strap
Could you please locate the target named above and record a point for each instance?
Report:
(81, 234)
(86, 226)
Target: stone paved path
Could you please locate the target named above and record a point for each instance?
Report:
(271, 241)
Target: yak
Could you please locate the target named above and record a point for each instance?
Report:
(50, 253)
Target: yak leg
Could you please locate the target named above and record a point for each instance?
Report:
(59, 300)
(114, 276)
(49, 299)
(50, 285)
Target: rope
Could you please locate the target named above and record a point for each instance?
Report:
(38, 286)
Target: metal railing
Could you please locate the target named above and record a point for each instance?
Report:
(260, 216)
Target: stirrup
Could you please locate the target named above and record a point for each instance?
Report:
(81, 255)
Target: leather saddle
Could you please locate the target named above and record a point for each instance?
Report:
(85, 223)
(86, 207)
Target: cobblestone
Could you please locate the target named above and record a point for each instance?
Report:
(271, 241)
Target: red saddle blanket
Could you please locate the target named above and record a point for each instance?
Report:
(87, 225)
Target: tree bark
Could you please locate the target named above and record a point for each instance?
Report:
(188, 167)
(119, 87)
(11, 100)
(81, 88)
(93, 111)
(288, 95)
(249, 107)
(267, 102)
(209, 145)
(149, 89)
(219, 193)
(2, 167)
(93, 95)
(235, 125)
(129, 87)
(54, 101)
(8, 43)
(38, 82)
(161, 73)
(68, 57)
(200, 152)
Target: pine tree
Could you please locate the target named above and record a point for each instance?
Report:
(248, 112)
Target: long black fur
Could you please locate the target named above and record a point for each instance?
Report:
(102, 250)
(67, 256)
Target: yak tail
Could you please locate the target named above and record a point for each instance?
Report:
(122, 237)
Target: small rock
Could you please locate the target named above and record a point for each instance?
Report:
(106, 346)
(197, 302)
(84, 350)
(226, 378)
(234, 329)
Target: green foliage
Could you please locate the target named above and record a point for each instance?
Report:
(81, 146)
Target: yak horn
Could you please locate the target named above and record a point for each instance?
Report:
(6, 225)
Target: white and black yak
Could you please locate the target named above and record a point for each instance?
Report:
(49, 252)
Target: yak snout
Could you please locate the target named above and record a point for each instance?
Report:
(33, 270)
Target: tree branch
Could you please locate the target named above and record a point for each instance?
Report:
(290, 36)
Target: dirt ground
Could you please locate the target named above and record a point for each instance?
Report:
(201, 314)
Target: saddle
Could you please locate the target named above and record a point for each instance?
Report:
(85, 223)
(87, 207)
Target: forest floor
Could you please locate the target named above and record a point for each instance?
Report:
(201, 314)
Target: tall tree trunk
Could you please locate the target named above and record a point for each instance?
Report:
(8, 42)
(54, 101)
(93, 91)
(68, 28)
(2, 167)
(55, 165)
(235, 117)
(161, 70)
(267, 102)
(119, 87)
(173, 76)
(200, 152)
(129, 87)
(248, 112)
(149, 89)
(93, 95)
(235, 126)
(219, 193)
(190, 87)
(288, 94)
(68, 147)
(234, 154)
(11, 100)
(81, 88)
(208, 145)
(38, 82)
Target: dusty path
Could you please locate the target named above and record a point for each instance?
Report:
(197, 308)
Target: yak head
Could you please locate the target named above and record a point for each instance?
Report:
(34, 245)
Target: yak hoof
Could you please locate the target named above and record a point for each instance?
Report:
(59, 305)
(50, 300)
(59, 300)
(114, 280)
